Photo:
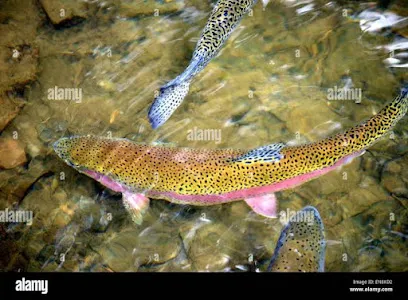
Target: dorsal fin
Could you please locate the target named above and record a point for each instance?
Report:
(268, 153)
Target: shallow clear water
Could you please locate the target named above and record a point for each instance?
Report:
(270, 83)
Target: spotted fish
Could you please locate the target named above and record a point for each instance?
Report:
(224, 18)
(301, 246)
(207, 177)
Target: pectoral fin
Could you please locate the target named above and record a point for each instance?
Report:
(136, 205)
(266, 205)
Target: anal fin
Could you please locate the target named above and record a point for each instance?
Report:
(266, 205)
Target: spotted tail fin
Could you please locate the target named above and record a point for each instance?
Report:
(166, 103)
(173, 93)
(404, 90)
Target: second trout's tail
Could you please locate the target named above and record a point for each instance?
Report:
(404, 90)
(173, 93)
(166, 103)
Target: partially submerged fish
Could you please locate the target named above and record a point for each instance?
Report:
(224, 18)
(208, 177)
(301, 246)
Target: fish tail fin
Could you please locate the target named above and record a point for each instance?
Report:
(404, 90)
(172, 94)
(400, 103)
(166, 103)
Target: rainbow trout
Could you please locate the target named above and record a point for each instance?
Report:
(301, 246)
(224, 18)
(207, 177)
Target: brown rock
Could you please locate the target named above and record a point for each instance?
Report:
(18, 58)
(60, 11)
(394, 176)
(359, 199)
(15, 182)
(212, 248)
(12, 154)
(19, 70)
(394, 184)
(394, 167)
(132, 8)
(9, 108)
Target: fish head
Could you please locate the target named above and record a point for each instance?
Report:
(75, 151)
(301, 246)
(93, 156)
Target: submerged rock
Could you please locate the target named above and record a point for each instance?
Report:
(369, 259)
(132, 249)
(156, 245)
(394, 177)
(137, 8)
(12, 153)
(368, 193)
(211, 248)
(16, 182)
(117, 251)
(19, 21)
(40, 200)
(18, 66)
(66, 239)
(9, 108)
(63, 11)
